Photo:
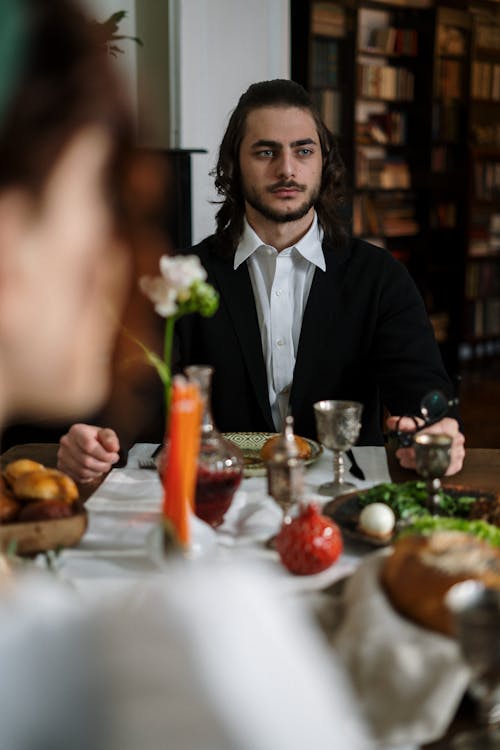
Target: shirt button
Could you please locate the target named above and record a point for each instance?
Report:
(279, 292)
(279, 342)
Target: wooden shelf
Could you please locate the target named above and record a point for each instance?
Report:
(441, 126)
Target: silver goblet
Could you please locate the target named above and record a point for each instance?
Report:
(338, 424)
(475, 610)
(432, 454)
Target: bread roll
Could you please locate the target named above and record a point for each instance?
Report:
(302, 445)
(15, 469)
(46, 484)
(45, 510)
(421, 569)
(9, 508)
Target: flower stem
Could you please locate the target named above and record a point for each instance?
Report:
(167, 357)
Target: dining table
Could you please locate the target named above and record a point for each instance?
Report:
(123, 542)
(124, 509)
(120, 544)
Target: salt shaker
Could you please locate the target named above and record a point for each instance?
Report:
(285, 470)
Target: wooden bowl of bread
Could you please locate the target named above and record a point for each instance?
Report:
(422, 568)
(40, 509)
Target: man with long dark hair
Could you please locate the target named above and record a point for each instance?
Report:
(307, 312)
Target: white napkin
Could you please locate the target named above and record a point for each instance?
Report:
(128, 489)
(252, 516)
(409, 680)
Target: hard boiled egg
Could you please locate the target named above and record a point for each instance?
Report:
(377, 520)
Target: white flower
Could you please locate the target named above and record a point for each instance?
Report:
(173, 287)
(161, 294)
(181, 271)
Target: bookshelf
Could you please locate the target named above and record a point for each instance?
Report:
(444, 250)
(413, 95)
(323, 45)
(387, 128)
(481, 322)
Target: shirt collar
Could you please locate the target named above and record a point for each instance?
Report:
(309, 246)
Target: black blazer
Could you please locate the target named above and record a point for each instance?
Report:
(365, 336)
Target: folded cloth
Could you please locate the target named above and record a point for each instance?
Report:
(410, 680)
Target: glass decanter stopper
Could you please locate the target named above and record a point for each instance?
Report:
(220, 462)
(285, 469)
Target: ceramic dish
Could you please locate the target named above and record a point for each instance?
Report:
(251, 443)
(345, 510)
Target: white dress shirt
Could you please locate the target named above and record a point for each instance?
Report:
(281, 282)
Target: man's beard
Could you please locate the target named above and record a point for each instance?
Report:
(280, 217)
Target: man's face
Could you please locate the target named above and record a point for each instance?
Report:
(280, 163)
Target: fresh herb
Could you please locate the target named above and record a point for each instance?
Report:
(429, 524)
(409, 500)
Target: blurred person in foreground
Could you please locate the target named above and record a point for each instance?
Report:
(65, 140)
(192, 661)
(307, 312)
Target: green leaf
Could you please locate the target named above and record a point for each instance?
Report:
(154, 360)
(161, 368)
(428, 524)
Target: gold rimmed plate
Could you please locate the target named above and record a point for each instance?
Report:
(251, 444)
(345, 510)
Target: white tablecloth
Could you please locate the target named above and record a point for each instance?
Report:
(118, 563)
(119, 545)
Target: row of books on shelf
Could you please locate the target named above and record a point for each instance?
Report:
(385, 82)
(325, 62)
(483, 318)
(449, 78)
(487, 180)
(448, 121)
(443, 216)
(488, 36)
(486, 134)
(393, 41)
(384, 216)
(385, 128)
(485, 81)
(484, 234)
(387, 173)
(329, 104)
(482, 280)
(328, 19)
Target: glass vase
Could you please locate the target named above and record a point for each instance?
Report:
(220, 462)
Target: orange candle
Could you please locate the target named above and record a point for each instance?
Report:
(179, 477)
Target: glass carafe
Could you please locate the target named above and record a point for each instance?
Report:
(220, 462)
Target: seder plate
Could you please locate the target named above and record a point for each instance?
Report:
(345, 510)
(251, 443)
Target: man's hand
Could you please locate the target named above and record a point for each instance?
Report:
(87, 452)
(448, 426)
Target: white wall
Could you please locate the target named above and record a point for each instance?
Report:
(225, 46)
(101, 10)
(222, 46)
